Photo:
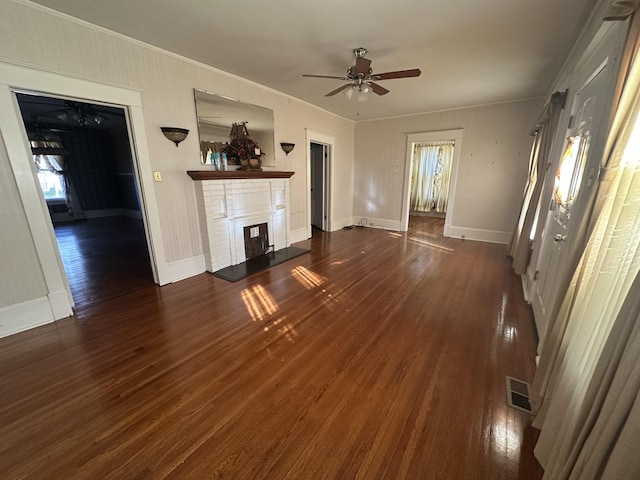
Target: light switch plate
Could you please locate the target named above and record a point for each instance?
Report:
(157, 176)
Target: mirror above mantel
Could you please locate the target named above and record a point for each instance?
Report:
(216, 115)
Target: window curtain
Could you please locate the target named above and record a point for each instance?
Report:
(539, 162)
(49, 155)
(587, 383)
(430, 176)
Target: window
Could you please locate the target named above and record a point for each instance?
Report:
(52, 185)
(47, 155)
(569, 172)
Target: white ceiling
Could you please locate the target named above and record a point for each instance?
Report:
(471, 52)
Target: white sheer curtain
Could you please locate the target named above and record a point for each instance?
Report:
(544, 133)
(586, 387)
(48, 161)
(51, 167)
(430, 176)
(605, 274)
(49, 156)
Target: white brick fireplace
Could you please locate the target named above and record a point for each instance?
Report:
(229, 201)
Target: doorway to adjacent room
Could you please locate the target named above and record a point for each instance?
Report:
(319, 166)
(84, 165)
(431, 168)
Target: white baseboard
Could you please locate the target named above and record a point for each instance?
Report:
(135, 214)
(25, 315)
(185, 268)
(298, 235)
(34, 313)
(394, 225)
(104, 212)
(61, 304)
(61, 217)
(87, 214)
(341, 223)
(477, 234)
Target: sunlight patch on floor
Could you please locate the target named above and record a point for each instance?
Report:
(307, 278)
(505, 437)
(431, 245)
(286, 330)
(428, 234)
(258, 302)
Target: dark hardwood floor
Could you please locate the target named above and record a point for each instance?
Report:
(104, 258)
(379, 355)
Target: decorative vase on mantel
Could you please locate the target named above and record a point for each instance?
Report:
(242, 147)
(244, 164)
(255, 163)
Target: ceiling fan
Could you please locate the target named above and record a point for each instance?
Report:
(362, 80)
(79, 113)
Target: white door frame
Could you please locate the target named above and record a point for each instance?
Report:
(603, 52)
(443, 135)
(329, 141)
(18, 78)
(324, 221)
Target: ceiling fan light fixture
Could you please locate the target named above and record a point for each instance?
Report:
(349, 91)
(98, 119)
(78, 117)
(362, 77)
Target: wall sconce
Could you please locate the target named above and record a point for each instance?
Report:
(287, 147)
(175, 134)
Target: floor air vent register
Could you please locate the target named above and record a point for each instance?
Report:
(518, 395)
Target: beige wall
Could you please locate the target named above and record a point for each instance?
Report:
(21, 278)
(491, 173)
(492, 169)
(45, 41)
(34, 37)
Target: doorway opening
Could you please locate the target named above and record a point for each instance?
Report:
(319, 186)
(85, 166)
(430, 176)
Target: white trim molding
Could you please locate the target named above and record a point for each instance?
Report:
(299, 235)
(20, 78)
(330, 141)
(385, 223)
(186, 267)
(23, 316)
(477, 234)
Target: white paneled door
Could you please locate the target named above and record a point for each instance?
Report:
(576, 177)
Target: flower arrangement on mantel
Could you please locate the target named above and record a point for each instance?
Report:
(243, 149)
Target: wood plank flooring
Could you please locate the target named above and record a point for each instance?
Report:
(379, 355)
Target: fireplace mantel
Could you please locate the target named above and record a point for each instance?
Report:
(229, 201)
(235, 174)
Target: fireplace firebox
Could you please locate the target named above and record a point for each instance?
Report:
(256, 240)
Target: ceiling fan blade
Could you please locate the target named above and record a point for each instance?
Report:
(325, 76)
(338, 90)
(399, 74)
(362, 66)
(380, 90)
